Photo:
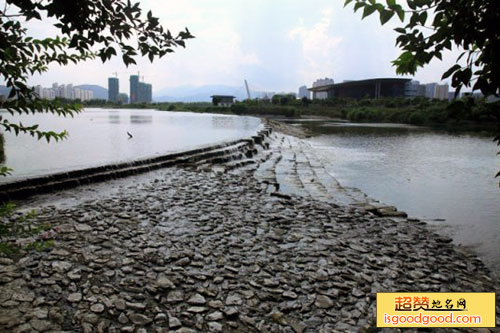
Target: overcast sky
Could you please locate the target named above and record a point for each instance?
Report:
(276, 45)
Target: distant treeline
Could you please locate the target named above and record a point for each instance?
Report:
(416, 111)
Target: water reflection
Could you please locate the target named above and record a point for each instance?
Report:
(99, 136)
(141, 119)
(222, 122)
(114, 118)
(346, 130)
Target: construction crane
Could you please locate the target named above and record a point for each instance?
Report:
(121, 73)
(248, 90)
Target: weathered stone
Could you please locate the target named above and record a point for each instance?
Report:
(97, 308)
(289, 294)
(23, 296)
(185, 330)
(234, 300)
(174, 322)
(74, 297)
(197, 309)
(214, 316)
(160, 318)
(40, 325)
(135, 306)
(196, 299)
(83, 227)
(61, 266)
(175, 296)
(9, 320)
(139, 319)
(214, 327)
(6, 261)
(165, 283)
(323, 302)
(122, 318)
(25, 328)
(120, 304)
(40, 313)
(298, 327)
(231, 312)
(74, 275)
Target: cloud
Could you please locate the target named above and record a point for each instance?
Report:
(275, 45)
(216, 55)
(318, 46)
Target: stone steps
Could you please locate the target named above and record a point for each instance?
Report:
(300, 172)
(287, 175)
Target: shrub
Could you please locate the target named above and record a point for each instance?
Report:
(416, 118)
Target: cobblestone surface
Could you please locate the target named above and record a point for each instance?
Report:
(186, 250)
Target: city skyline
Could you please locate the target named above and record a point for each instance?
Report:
(237, 40)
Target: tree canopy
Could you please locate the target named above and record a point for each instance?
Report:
(88, 29)
(430, 27)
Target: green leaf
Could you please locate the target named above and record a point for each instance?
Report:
(423, 18)
(385, 16)
(401, 13)
(347, 2)
(368, 11)
(358, 5)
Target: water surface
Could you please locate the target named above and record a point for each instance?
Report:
(430, 174)
(99, 137)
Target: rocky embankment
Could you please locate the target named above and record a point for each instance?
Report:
(269, 246)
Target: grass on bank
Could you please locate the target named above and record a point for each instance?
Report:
(15, 227)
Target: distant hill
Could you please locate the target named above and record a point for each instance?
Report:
(201, 94)
(99, 92)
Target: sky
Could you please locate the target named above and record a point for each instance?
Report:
(276, 45)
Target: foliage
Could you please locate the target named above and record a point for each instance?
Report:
(283, 99)
(12, 228)
(89, 29)
(472, 25)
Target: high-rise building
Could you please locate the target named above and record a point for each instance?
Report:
(140, 92)
(430, 90)
(149, 93)
(442, 91)
(320, 83)
(438, 91)
(134, 88)
(303, 92)
(113, 89)
(63, 91)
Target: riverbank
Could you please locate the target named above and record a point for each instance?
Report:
(193, 249)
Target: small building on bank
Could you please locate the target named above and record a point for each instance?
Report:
(371, 88)
(222, 100)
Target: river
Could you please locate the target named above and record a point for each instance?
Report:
(99, 137)
(444, 178)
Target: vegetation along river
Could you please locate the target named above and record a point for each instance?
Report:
(444, 178)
